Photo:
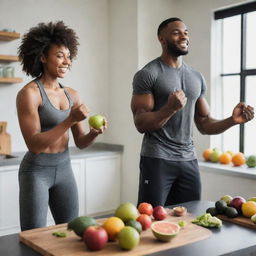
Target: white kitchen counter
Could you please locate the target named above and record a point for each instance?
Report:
(97, 149)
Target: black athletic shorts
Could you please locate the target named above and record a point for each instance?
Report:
(165, 182)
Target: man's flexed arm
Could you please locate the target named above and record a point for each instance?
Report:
(242, 113)
(146, 119)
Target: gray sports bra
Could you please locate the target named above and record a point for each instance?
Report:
(48, 114)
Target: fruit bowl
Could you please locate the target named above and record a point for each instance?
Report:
(180, 211)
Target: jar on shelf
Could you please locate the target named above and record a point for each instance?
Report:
(1, 71)
(9, 71)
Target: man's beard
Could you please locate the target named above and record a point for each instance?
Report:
(174, 50)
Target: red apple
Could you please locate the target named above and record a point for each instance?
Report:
(145, 221)
(159, 212)
(145, 208)
(95, 237)
(237, 202)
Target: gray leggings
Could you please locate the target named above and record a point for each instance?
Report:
(46, 179)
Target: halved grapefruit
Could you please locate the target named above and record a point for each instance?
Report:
(165, 230)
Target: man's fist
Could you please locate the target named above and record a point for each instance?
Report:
(177, 100)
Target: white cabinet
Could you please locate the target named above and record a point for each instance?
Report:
(78, 170)
(98, 182)
(102, 184)
(9, 200)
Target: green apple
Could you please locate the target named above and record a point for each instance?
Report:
(227, 199)
(214, 156)
(96, 121)
(251, 161)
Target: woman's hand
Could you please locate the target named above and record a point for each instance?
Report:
(79, 113)
(101, 130)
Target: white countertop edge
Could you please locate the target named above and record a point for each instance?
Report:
(242, 171)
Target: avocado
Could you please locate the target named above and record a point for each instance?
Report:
(212, 210)
(221, 206)
(79, 224)
(231, 212)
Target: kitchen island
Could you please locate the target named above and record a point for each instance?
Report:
(230, 239)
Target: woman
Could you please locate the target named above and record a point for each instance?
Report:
(46, 110)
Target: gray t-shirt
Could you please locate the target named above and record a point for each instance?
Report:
(174, 140)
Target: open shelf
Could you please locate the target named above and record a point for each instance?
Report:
(8, 58)
(9, 36)
(10, 80)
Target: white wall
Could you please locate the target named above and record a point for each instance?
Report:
(89, 75)
(133, 42)
(123, 63)
(150, 14)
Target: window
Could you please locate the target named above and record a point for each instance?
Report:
(236, 49)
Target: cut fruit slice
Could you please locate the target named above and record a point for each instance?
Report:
(165, 230)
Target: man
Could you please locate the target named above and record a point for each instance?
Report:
(167, 96)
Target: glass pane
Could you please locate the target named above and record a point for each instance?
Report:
(231, 44)
(250, 127)
(231, 97)
(251, 40)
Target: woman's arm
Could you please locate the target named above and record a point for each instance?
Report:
(81, 139)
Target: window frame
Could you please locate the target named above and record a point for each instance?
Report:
(229, 12)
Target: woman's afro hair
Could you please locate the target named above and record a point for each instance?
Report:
(38, 41)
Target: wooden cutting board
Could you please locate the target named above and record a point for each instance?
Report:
(5, 140)
(243, 221)
(45, 243)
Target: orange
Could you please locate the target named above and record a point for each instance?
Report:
(249, 209)
(225, 158)
(113, 226)
(206, 154)
(238, 159)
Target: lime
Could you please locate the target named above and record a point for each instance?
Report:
(135, 224)
(251, 161)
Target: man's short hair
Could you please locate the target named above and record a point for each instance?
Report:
(165, 23)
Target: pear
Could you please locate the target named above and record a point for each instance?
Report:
(227, 199)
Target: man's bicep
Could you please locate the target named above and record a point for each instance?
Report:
(202, 107)
(202, 112)
(142, 103)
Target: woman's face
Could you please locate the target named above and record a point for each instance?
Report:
(57, 61)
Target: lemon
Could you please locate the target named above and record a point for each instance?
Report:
(249, 208)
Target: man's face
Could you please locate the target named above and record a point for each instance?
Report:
(174, 38)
